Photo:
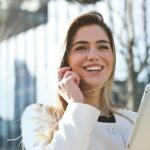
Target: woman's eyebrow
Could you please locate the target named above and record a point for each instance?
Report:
(80, 42)
(85, 42)
(103, 41)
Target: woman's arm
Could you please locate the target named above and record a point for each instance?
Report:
(74, 130)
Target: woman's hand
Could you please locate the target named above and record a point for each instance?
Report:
(68, 86)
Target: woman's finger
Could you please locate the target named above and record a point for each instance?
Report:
(62, 71)
(73, 76)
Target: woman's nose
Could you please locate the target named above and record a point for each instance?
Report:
(93, 55)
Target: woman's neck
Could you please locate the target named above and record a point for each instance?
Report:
(93, 97)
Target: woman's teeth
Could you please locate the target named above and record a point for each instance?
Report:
(99, 68)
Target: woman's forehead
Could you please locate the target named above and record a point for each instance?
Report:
(91, 33)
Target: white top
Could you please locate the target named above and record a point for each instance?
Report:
(78, 129)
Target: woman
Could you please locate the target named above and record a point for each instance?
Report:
(86, 118)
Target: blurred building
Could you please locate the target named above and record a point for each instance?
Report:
(25, 94)
(25, 88)
(20, 15)
(18, 85)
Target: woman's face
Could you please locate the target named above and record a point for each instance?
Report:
(91, 56)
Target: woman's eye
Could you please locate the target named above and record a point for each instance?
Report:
(103, 47)
(80, 48)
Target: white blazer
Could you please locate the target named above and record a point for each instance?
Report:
(78, 129)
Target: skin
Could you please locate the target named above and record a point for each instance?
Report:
(78, 83)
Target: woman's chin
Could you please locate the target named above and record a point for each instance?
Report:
(90, 86)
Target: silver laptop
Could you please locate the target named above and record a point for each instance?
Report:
(140, 137)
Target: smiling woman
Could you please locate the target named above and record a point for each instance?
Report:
(85, 117)
(91, 56)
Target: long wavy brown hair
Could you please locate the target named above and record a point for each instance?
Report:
(85, 19)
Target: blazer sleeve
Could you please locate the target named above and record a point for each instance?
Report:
(74, 131)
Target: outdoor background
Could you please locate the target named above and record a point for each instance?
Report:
(31, 34)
